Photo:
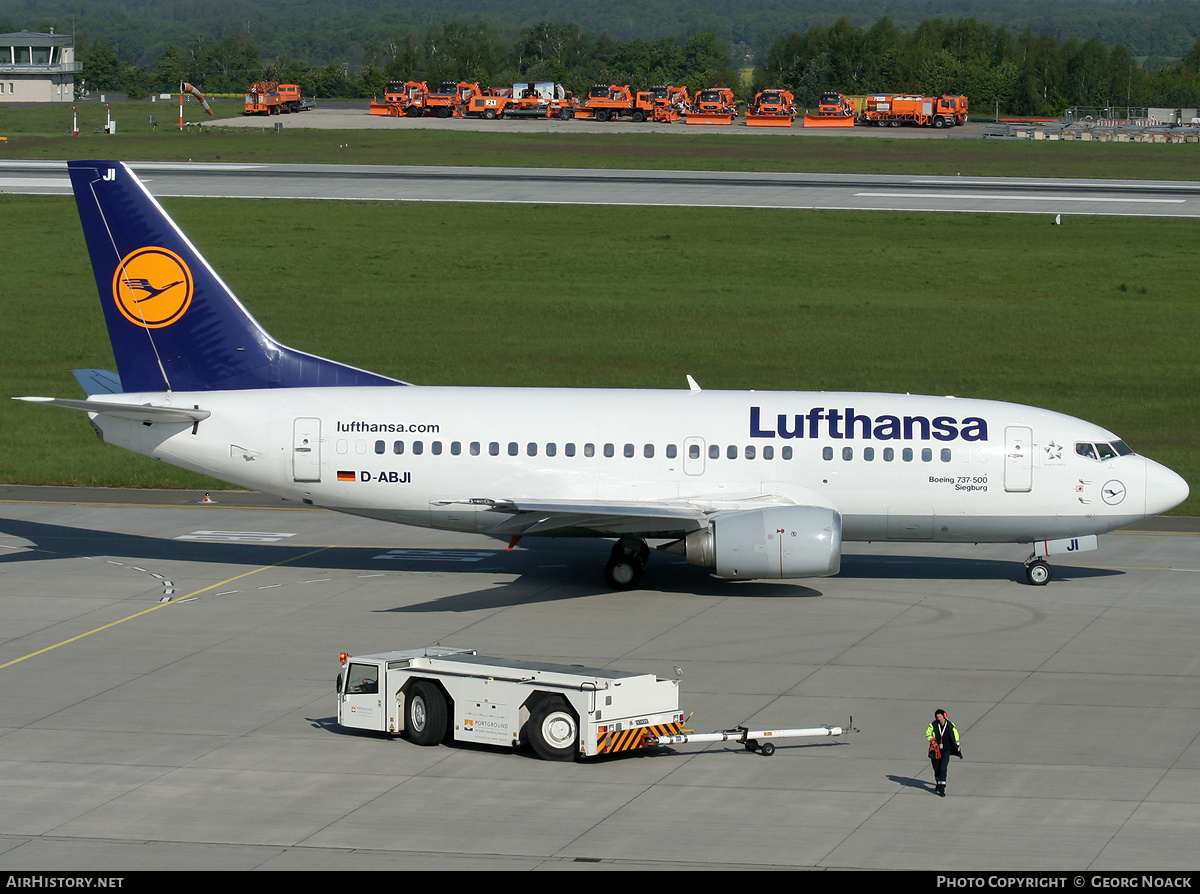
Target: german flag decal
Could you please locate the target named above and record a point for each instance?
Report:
(612, 741)
(346, 476)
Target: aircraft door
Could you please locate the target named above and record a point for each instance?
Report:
(693, 456)
(306, 449)
(1018, 459)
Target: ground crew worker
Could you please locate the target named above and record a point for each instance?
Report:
(943, 742)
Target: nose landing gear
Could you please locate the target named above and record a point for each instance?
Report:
(1038, 571)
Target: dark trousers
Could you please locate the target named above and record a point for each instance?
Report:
(940, 764)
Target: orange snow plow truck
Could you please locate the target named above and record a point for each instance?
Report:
(833, 110)
(715, 105)
(402, 99)
(775, 107)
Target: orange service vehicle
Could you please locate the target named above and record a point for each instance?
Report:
(887, 110)
(610, 102)
(271, 98)
(402, 99)
(774, 107)
(715, 105)
(450, 100)
(833, 110)
(670, 103)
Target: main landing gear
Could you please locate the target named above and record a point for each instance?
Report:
(627, 562)
(1038, 571)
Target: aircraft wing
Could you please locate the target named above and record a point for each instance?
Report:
(605, 518)
(136, 412)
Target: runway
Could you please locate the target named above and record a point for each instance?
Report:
(167, 699)
(852, 192)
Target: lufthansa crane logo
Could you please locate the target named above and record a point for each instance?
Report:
(152, 287)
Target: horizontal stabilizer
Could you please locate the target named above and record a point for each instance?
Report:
(98, 381)
(136, 412)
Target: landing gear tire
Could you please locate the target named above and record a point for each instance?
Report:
(626, 563)
(553, 730)
(425, 714)
(623, 573)
(1038, 573)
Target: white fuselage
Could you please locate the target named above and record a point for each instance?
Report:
(897, 467)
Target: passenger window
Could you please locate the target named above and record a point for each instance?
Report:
(714, 452)
(768, 452)
(418, 447)
(380, 446)
(474, 448)
(628, 451)
(648, 451)
(945, 454)
(694, 451)
(926, 455)
(551, 449)
(570, 448)
(342, 446)
(455, 448)
(436, 448)
(531, 449)
(847, 453)
(494, 448)
(750, 451)
(786, 453)
(869, 454)
(888, 454)
(908, 454)
(397, 447)
(589, 449)
(513, 448)
(731, 451)
(672, 451)
(610, 451)
(826, 453)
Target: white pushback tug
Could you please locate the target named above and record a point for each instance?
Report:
(563, 712)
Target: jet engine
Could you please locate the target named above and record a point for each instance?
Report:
(773, 543)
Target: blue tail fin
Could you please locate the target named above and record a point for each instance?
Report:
(173, 323)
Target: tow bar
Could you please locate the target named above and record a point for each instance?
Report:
(754, 740)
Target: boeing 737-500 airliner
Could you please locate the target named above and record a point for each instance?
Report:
(749, 484)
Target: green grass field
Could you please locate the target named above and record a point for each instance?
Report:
(43, 133)
(1096, 318)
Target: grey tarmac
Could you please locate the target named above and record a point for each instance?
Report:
(167, 701)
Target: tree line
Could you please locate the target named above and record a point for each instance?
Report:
(1023, 73)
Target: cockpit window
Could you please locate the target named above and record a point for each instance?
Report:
(1102, 450)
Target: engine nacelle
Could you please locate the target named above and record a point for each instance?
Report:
(774, 543)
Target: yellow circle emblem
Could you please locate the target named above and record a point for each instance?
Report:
(152, 287)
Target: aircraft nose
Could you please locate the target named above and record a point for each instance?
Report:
(1164, 489)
